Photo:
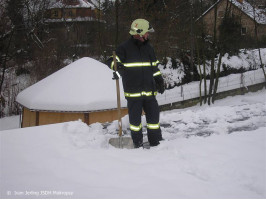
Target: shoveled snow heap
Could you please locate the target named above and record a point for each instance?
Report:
(216, 151)
(84, 85)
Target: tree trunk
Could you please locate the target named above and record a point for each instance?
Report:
(257, 41)
(213, 57)
(116, 22)
(200, 73)
(4, 62)
(211, 79)
(217, 77)
(205, 81)
(191, 43)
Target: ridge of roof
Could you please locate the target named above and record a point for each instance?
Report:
(245, 7)
(80, 4)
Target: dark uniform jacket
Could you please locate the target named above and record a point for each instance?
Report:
(138, 66)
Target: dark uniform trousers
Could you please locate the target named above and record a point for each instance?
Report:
(151, 109)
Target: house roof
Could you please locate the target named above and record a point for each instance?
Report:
(247, 8)
(83, 86)
(79, 4)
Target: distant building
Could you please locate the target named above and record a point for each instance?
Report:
(75, 22)
(72, 10)
(240, 8)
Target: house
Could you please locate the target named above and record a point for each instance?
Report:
(82, 90)
(75, 24)
(245, 13)
(72, 10)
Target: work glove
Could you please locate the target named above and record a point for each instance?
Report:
(116, 75)
(159, 82)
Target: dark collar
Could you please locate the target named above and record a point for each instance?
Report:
(138, 42)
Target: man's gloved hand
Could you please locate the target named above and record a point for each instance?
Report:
(159, 84)
(116, 75)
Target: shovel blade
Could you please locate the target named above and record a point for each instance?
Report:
(122, 142)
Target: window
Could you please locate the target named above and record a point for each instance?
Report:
(70, 14)
(55, 14)
(243, 31)
(220, 13)
(72, 1)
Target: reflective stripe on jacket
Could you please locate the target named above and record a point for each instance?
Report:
(140, 67)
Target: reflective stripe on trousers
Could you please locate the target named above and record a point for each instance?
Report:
(153, 126)
(143, 93)
(135, 128)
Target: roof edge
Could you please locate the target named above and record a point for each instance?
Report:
(63, 111)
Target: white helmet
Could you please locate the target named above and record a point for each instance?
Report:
(140, 27)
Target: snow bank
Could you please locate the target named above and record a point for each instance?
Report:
(227, 83)
(247, 59)
(73, 160)
(7, 123)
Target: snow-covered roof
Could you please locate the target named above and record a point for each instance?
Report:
(252, 12)
(247, 8)
(83, 86)
(79, 4)
(76, 19)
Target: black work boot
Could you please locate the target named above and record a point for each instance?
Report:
(138, 145)
(137, 138)
(154, 137)
(154, 144)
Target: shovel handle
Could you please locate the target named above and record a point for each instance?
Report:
(118, 98)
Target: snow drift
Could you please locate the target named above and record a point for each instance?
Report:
(208, 152)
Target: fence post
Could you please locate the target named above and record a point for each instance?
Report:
(182, 92)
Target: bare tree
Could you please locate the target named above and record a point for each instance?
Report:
(255, 17)
(214, 42)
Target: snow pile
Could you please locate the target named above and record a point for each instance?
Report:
(81, 135)
(172, 75)
(246, 60)
(73, 160)
(84, 85)
(7, 123)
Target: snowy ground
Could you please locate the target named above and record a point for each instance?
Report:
(209, 152)
(7, 123)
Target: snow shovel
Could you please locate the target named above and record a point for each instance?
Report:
(120, 142)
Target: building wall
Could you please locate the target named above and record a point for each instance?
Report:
(34, 118)
(105, 116)
(29, 118)
(71, 13)
(53, 117)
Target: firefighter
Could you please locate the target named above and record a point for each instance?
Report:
(138, 66)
